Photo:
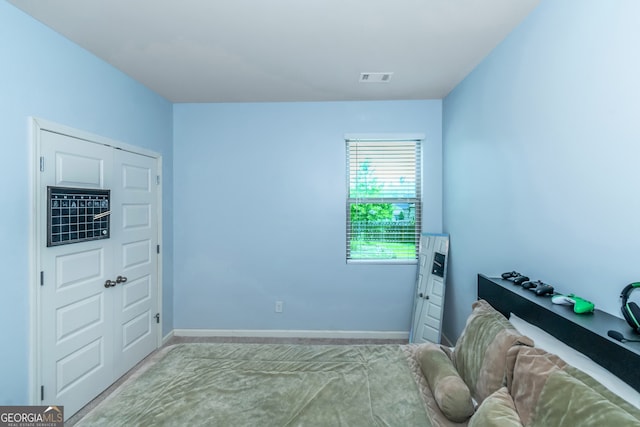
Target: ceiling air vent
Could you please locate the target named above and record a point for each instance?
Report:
(375, 77)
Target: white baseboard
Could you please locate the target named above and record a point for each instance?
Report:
(291, 333)
(167, 337)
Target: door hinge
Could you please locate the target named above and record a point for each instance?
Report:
(157, 179)
(157, 316)
(41, 392)
(41, 163)
(42, 278)
(157, 249)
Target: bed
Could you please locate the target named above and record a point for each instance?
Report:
(227, 384)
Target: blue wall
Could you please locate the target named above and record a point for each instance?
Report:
(260, 216)
(541, 149)
(46, 76)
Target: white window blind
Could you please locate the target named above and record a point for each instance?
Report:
(384, 199)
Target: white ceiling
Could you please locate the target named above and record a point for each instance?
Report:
(286, 50)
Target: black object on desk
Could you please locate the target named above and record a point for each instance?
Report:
(587, 333)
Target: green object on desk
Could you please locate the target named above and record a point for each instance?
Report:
(580, 305)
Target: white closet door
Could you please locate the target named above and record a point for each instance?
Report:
(77, 316)
(135, 239)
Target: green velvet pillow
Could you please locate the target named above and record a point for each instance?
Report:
(548, 392)
(449, 391)
(497, 410)
(481, 350)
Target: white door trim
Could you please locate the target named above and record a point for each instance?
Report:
(35, 244)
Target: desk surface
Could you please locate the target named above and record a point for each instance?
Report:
(586, 333)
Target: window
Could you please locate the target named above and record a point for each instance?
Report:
(383, 200)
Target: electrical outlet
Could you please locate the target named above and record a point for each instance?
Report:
(279, 306)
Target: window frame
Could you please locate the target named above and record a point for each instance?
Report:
(418, 140)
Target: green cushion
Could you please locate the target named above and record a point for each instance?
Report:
(497, 410)
(548, 392)
(449, 390)
(480, 352)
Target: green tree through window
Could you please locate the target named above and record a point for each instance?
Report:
(367, 186)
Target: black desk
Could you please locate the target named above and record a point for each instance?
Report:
(586, 333)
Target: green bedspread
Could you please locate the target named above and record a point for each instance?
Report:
(268, 385)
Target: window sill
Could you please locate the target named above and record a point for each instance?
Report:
(383, 261)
